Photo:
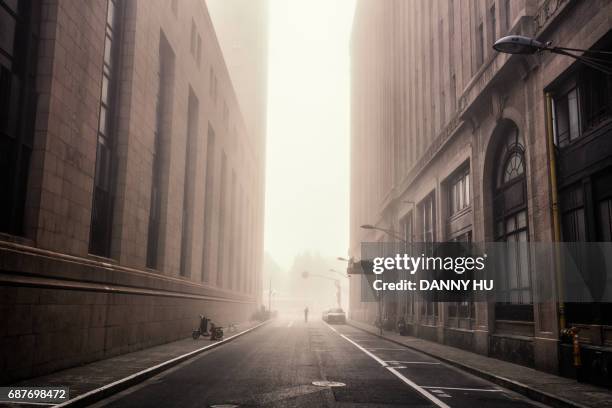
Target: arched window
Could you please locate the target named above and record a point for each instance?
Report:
(511, 225)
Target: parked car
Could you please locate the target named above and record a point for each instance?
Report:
(335, 315)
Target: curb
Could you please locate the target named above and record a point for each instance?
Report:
(113, 388)
(529, 392)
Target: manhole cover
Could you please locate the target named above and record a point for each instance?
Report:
(328, 384)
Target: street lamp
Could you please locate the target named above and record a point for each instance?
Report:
(518, 44)
(349, 261)
(344, 275)
(307, 274)
(389, 232)
(395, 235)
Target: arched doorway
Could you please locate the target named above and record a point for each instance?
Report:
(510, 223)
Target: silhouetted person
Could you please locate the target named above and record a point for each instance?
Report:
(306, 315)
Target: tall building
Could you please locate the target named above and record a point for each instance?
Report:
(242, 31)
(450, 143)
(132, 186)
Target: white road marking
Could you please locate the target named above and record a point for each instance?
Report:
(421, 390)
(385, 348)
(399, 375)
(434, 388)
(164, 369)
(441, 393)
(412, 362)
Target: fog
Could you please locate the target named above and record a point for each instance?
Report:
(307, 178)
(307, 155)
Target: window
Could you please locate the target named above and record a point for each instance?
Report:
(586, 216)
(453, 91)
(572, 214)
(605, 219)
(193, 42)
(459, 192)
(212, 90)
(208, 203)
(407, 228)
(442, 64)
(232, 230)
(596, 96)
(222, 221)
(199, 50)
(17, 107)
(480, 44)
(104, 179)
(465, 309)
(458, 229)
(164, 83)
(493, 24)
(507, 15)
(428, 218)
(189, 182)
(510, 218)
(581, 105)
(407, 231)
(567, 120)
(427, 212)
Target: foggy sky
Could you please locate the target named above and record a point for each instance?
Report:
(307, 178)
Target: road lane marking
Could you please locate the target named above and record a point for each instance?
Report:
(441, 393)
(411, 362)
(433, 388)
(385, 348)
(421, 390)
(399, 375)
(138, 379)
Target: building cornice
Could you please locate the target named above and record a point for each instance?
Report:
(24, 265)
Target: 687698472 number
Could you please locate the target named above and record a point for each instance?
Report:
(34, 394)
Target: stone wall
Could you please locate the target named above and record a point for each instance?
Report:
(60, 305)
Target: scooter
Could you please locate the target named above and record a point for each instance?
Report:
(202, 330)
(216, 332)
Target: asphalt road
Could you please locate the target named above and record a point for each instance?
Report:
(275, 366)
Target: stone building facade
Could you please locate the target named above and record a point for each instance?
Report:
(450, 143)
(132, 189)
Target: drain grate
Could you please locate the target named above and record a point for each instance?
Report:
(328, 384)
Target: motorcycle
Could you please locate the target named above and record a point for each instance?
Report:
(216, 332)
(202, 330)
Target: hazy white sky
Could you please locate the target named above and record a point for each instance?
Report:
(307, 179)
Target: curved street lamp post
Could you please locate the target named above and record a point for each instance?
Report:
(518, 44)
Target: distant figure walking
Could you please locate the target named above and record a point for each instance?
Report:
(306, 315)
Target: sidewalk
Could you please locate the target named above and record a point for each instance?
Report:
(540, 386)
(89, 377)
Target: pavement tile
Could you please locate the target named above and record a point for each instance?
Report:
(88, 377)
